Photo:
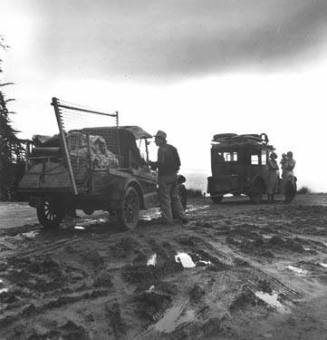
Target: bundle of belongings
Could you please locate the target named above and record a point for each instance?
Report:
(100, 156)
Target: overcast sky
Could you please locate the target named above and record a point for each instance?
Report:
(191, 68)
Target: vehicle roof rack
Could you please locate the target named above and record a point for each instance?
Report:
(243, 140)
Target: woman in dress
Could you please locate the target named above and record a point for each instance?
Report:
(272, 176)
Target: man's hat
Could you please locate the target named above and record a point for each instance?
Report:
(160, 134)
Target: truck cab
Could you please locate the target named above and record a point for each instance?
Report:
(239, 166)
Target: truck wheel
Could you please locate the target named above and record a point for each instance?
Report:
(128, 214)
(256, 193)
(50, 213)
(182, 195)
(289, 191)
(217, 198)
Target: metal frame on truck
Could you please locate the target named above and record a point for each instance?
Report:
(90, 165)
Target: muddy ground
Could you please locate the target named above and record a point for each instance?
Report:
(236, 271)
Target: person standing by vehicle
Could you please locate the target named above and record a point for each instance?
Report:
(289, 180)
(272, 176)
(168, 165)
(283, 164)
(290, 164)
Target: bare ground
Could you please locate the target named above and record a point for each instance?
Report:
(236, 271)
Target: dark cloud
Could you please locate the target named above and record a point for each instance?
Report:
(177, 38)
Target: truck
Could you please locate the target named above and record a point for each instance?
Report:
(239, 167)
(89, 167)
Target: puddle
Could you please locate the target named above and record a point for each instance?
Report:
(151, 214)
(297, 270)
(197, 208)
(79, 227)
(323, 264)
(31, 234)
(185, 259)
(174, 317)
(89, 221)
(152, 260)
(271, 300)
(151, 289)
(207, 263)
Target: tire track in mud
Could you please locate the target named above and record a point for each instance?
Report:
(108, 284)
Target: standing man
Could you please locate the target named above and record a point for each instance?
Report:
(168, 165)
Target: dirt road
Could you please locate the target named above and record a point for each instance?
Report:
(236, 271)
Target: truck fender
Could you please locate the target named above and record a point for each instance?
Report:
(119, 186)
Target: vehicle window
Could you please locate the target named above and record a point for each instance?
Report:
(255, 159)
(220, 157)
(264, 158)
(141, 143)
(227, 156)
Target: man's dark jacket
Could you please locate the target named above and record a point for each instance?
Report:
(168, 160)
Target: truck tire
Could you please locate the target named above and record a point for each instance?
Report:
(128, 214)
(223, 136)
(257, 192)
(50, 213)
(264, 137)
(253, 136)
(182, 192)
(217, 198)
